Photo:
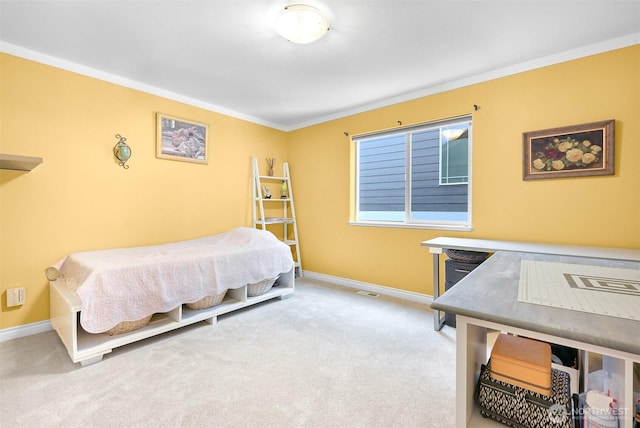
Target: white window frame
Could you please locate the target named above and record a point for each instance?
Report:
(408, 222)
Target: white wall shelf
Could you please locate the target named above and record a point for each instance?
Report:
(19, 163)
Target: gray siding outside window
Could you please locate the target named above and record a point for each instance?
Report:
(382, 173)
(427, 193)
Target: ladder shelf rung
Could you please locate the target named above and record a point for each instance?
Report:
(276, 220)
(285, 224)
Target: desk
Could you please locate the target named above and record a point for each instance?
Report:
(487, 300)
(438, 245)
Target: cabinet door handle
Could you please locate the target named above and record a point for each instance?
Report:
(463, 271)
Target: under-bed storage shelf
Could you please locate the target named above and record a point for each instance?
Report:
(87, 348)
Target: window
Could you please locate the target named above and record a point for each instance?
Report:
(417, 176)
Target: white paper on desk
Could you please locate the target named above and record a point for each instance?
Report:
(595, 289)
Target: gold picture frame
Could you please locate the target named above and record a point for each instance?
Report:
(571, 151)
(181, 140)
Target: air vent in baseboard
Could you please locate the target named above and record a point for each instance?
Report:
(367, 293)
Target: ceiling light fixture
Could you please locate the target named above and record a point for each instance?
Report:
(301, 23)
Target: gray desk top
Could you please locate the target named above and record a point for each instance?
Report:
(490, 293)
(437, 244)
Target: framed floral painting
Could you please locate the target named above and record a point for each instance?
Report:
(571, 151)
(183, 140)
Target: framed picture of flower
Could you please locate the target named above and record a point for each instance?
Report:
(183, 140)
(571, 151)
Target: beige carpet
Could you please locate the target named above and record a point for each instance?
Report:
(325, 357)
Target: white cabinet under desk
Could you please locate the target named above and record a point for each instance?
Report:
(486, 301)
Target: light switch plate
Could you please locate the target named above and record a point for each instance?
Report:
(16, 296)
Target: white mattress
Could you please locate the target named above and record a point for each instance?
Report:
(128, 284)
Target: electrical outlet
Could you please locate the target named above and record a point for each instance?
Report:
(16, 296)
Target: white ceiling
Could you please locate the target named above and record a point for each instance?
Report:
(224, 55)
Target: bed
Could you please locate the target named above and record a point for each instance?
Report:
(154, 288)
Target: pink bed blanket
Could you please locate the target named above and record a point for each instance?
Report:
(128, 284)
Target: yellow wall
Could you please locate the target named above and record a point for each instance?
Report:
(80, 199)
(595, 211)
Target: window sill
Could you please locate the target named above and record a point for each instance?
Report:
(459, 228)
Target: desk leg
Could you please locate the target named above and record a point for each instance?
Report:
(471, 351)
(438, 321)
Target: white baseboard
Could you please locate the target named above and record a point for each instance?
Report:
(374, 288)
(24, 330)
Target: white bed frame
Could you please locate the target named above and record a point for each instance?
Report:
(86, 348)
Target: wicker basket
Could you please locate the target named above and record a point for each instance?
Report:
(127, 326)
(464, 256)
(207, 302)
(260, 287)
